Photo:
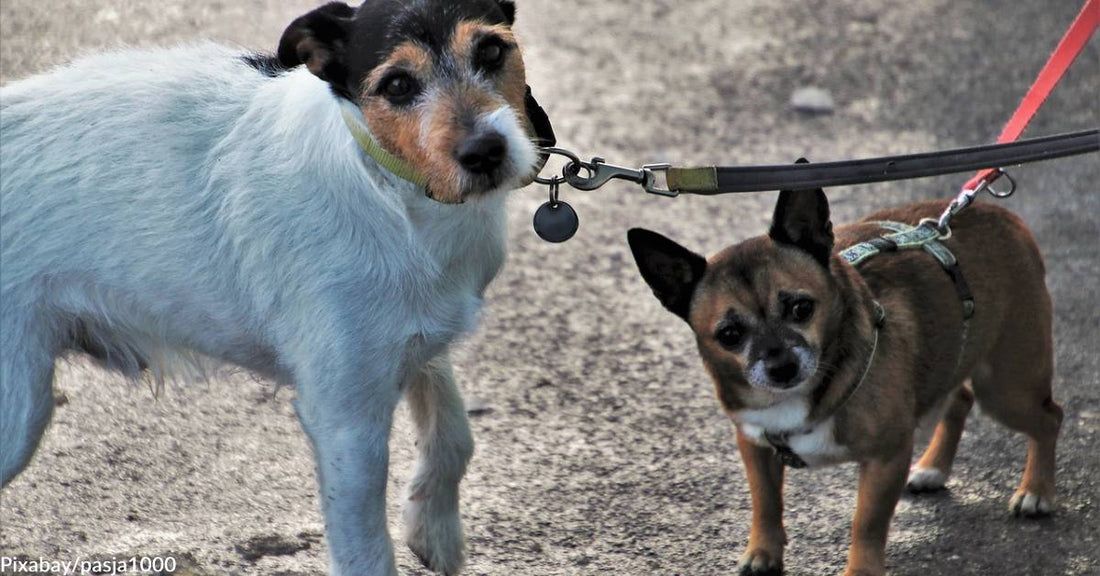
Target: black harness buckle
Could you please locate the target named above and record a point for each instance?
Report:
(782, 449)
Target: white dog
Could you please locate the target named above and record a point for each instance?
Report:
(331, 226)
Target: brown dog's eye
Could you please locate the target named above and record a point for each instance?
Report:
(801, 310)
(399, 88)
(490, 55)
(730, 336)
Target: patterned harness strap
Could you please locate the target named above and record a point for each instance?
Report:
(924, 236)
(907, 237)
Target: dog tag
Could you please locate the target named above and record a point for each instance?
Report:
(556, 221)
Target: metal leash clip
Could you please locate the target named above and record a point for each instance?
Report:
(556, 221)
(597, 172)
(966, 197)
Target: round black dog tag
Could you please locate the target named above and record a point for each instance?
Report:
(556, 221)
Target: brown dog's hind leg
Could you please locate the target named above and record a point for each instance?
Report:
(764, 554)
(1040, 422)
(1035, 496)
(931, 471)
(1015, 390)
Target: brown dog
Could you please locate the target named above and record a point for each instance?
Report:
(819, 361)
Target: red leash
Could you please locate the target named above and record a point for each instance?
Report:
(1068, 48)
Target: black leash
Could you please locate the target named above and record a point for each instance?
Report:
(710, 180)
(556, 221)
(722, 180)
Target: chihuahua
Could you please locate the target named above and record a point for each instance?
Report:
(821, 358)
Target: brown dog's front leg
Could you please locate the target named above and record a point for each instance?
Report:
(764, 555)
(880, 484)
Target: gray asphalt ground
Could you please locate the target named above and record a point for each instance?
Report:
(601, 449)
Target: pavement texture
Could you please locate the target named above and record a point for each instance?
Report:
(601, 448)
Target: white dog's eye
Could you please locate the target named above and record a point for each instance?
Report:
(399, 88)
(490, 54)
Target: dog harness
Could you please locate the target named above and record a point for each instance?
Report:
(925, 237)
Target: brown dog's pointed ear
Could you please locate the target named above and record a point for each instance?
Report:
(802, 220)
(318, 40)
(671, 270)
(509, 9)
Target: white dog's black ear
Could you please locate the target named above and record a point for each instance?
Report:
(671, 270)
(318, 40)
(540, 123)
(509, 9)
(801, 220)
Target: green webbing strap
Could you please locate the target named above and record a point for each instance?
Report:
(906, 237)
(933, 246)
(395, 165)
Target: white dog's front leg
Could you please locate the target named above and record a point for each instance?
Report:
(348, 424)
(433, 528)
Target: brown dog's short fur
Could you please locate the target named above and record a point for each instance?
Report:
(787, 330)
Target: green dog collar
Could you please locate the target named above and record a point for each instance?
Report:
(393, 164)
(397, 166)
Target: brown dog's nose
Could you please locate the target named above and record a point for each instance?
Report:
(481, 153)
(783, 372)
(781, 364)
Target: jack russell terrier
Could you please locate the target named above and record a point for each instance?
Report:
(328, 216)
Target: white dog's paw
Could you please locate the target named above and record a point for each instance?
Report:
(433, 531)
(926, 480)
(335, 570)
(1030, 505)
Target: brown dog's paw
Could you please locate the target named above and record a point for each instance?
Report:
(861, 572)
(760, 562)
(922, 480)
(1030, 505)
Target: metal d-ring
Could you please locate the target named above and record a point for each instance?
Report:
(993, 192)
(574, 161)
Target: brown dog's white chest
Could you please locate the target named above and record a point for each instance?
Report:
(814, 443)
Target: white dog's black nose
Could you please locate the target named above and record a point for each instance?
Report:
(482, 153)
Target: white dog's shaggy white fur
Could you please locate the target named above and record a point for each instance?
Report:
(174, 202)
